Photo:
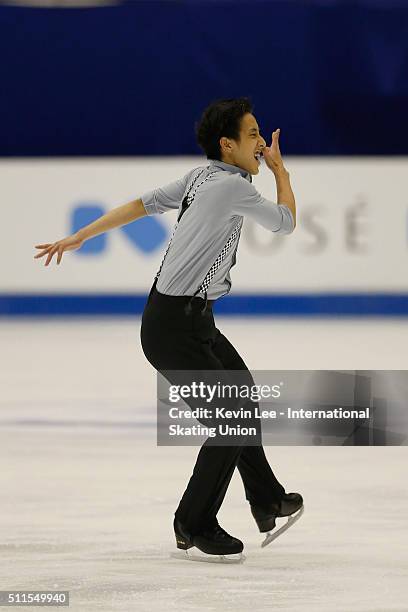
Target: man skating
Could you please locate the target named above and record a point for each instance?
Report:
(178, 331)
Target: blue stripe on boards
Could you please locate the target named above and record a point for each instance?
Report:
(281, 305)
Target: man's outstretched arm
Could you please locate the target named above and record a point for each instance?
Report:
(158, 200)
(121, 215)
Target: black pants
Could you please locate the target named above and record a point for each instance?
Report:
(174, 340)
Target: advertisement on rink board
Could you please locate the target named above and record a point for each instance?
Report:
(351, 234)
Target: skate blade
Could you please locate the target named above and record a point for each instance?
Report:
(272, 535)
(197, 555)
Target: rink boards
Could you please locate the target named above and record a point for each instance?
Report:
(346, 256)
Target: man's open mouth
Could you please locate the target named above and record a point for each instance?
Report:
(258, 156)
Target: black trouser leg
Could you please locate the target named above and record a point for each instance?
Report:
(260, 483)
(207, 487)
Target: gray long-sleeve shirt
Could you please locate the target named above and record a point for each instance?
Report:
(220, 201)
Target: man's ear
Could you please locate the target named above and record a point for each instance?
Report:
(225, 145)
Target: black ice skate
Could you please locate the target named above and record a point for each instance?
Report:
(214, 545)
(290, 506)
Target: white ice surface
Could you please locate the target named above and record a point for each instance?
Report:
(87, 497)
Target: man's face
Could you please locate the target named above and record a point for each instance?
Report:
(245, 153)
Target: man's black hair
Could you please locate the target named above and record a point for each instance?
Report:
(221, 118)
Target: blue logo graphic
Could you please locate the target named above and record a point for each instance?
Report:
(146, 235)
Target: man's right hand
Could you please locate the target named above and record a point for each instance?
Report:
(272, 155)
(71, 243)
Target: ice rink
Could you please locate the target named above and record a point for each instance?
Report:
(88, 497)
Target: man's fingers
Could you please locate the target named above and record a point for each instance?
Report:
(42, 253)
(275, 140)
(50, 249)
(51, 254)
(60, 253)
(275, 135)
